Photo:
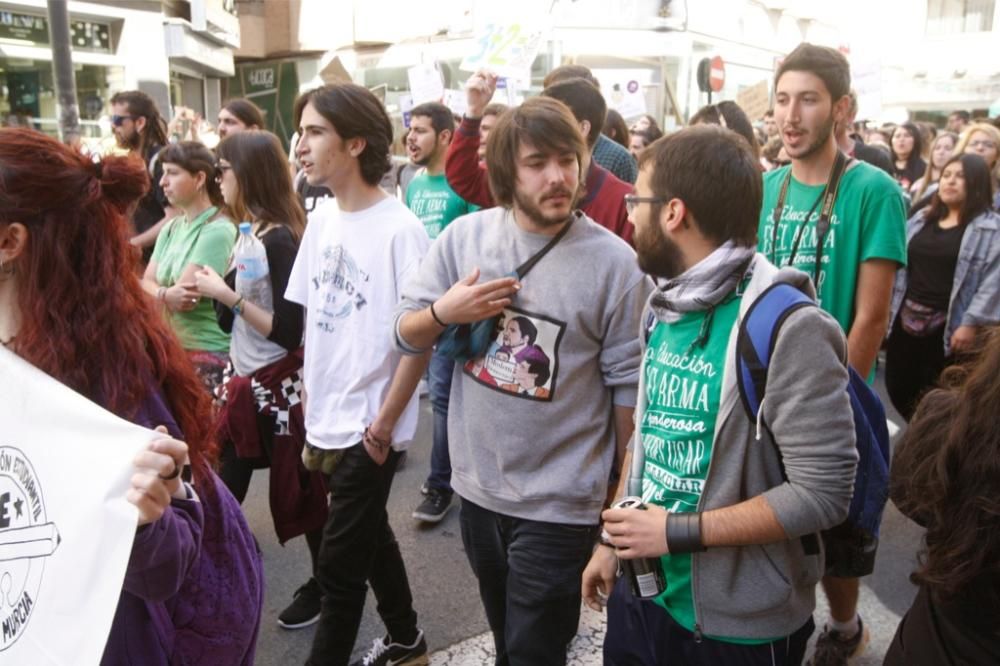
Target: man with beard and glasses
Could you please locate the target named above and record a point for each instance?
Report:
(433, 201)
(852, 264)
(532, 467)
(726, 500)
(139, 128)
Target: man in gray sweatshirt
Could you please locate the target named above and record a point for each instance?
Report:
(536, 419)
(728, 500)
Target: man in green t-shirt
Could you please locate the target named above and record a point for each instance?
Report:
(728, 502)
(858, 255)
(431, 199)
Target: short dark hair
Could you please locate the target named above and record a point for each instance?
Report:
(249, 113)
(441, 116)
(194, 157)
(714, 173)
(141, 105)
(828, 64)
(354, 113)
(648, 136)
(584, 100)
(728, 114)
(546, 124)
(527, 328)
(565, 72)
(769, 113)
(963, 114)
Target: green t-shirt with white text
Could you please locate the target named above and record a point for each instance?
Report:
(683, 380)
(433, 201)
(868, 222)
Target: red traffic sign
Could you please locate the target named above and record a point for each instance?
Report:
(717, 74)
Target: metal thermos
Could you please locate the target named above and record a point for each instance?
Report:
(645, 575)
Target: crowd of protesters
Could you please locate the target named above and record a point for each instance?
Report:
(556, 393)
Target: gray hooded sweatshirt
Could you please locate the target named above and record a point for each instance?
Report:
(530, 425)
(768, 590)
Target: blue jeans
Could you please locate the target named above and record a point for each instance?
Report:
(439, 374)
(529, 581)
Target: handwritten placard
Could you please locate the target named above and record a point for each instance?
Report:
(506, 49)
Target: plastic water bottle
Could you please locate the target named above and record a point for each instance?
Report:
(252, 272)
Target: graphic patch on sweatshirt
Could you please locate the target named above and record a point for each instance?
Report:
(523, 358)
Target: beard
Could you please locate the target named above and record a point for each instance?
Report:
(658, 255)
(535, 213)
(823, 133)
(130, 142)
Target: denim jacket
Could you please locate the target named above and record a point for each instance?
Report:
(975, 290)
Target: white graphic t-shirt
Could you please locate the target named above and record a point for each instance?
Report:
(348, 275)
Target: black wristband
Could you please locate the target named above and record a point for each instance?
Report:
(437, 319)
(684, 533)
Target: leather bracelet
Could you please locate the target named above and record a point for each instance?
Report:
(684, 533)
(437, 319)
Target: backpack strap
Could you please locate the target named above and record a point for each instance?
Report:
(754, 346)
(757, 336)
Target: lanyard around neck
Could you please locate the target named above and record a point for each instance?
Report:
(828, 196)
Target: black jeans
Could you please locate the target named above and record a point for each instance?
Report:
(912, 366)
(642, 633)
(529, 581)
(359, 546)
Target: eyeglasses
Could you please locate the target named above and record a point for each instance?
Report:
(982, 143)
(632, 201)
(117, 121)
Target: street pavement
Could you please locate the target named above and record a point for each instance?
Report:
(446, 596)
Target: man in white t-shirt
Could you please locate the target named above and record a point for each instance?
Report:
(361, 412)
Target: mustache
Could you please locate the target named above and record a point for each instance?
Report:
(558, 191)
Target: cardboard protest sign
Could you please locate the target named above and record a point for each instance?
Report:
(66, 529)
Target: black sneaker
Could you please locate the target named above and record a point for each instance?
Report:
(424, 488)
(833, 649)
(384, 653)
(304, 609)
(434, 507)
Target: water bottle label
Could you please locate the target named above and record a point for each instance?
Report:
(251, 268)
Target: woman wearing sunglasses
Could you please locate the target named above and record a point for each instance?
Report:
(201, 235)
(261, 422)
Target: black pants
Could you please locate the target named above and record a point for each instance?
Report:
(358, 547)
(529, 580)
(912, 366)
(642, 633)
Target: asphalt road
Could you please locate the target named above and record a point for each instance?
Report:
(445, 593)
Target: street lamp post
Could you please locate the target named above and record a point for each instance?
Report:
(62, 68)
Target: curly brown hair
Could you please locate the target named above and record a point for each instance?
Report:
(946, 476)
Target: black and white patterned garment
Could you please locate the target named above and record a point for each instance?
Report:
(276, 406)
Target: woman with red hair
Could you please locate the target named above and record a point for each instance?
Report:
(71, 305)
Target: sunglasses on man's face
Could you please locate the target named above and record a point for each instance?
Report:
(118, 121)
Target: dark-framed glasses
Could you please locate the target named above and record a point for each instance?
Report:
(118, 121)
(632, 201)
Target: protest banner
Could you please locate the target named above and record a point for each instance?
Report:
(66, 529)
(755, 100)
(505, 49)
(426, 84)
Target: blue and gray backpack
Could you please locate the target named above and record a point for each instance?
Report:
(850, 546)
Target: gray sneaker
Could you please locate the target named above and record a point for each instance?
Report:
(434, 507)
(832, 649)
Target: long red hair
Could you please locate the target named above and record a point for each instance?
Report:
(85, 319)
